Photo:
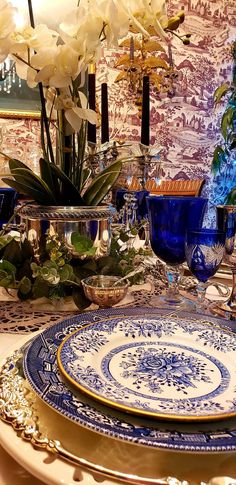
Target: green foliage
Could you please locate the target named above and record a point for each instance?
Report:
(54, 187)
(219, 158)
(7, 274)
(228, 120)
(57, 274)
(221, 91)
(82, 244)
(231, 198)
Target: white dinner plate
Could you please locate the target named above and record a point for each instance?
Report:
(154, 366)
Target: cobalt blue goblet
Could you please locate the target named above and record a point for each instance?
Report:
(204, 253)
(170, 218)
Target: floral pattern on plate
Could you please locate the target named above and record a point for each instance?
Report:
(148, 366)
(42, 372)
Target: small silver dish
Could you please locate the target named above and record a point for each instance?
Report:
(100, 289)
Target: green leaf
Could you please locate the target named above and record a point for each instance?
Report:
(27, 250)
(4, 241)
(83, 245)
(91, 265)
(25, 286)
(231, 197)
(14, 163)
(101, 184)
(13, 253)
(66, 273)
(221, 91)
(6, 280)
(34, 194)
(69, 193)
(81, 272)
(26, 176)
(227, 122)
(40, 288)
(86, 172)
(24, 269)
(80, 299)
(49, 177)
(219, 158)
(7, 266)
(7, 274)
(233, 144)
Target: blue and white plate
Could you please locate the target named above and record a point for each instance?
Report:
(42, 372)
(152, 366)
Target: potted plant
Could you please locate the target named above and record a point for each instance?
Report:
(57, 61)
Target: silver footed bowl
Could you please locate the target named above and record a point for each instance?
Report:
(105, 290)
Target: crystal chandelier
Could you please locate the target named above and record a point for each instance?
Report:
(8, 76)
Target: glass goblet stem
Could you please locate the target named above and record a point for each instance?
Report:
(201, 293)
(232, 300)
(173, 274)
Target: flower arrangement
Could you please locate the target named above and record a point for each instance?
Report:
(56, 61)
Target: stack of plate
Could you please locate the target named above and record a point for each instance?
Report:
(146, 377)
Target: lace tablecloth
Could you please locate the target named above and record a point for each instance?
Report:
(22, 317)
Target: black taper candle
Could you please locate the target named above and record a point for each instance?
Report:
(104, 114)
(145, 126)
(92, 105)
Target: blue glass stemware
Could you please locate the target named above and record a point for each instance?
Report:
(170, 218)
(204, 253)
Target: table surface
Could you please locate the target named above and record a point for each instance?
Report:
(12, 473)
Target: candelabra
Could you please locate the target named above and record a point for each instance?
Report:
(8, 76)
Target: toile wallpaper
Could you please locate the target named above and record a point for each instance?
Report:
(185, 128)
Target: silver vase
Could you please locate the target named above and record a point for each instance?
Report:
(94, 222)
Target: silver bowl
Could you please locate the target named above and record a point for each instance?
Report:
(100, 289)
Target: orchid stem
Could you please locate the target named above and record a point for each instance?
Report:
(42, 99)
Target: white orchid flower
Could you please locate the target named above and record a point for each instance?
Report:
(57, 66)
(24, 71)
(73, 20)
(50, 95)
(116, 20)
(34, 38)
(146, 13)
(67, 61)
(7, 19)
(5, 46)
(44, 57)
(74, 114)
(87, 25)
(7, 26)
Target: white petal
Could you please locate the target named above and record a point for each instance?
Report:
(74, 120)
(45, 73)
(139, 26)
(159, 30)
(86, 114)
(21, 69)
(58, 81)
(83, 99)
(31, 75)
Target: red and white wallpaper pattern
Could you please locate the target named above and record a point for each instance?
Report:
(186, 127)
